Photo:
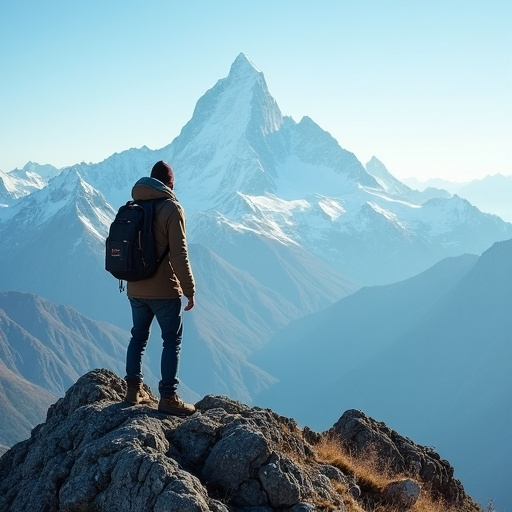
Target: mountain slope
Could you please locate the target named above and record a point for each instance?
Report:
(23, 405)
(44, 348)
(236, 311)
(53, 246)
(361, 326)
(425, 366)
(30, 358)
(51, 345)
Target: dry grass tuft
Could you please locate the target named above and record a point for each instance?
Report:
(372, 476)
(369, 469)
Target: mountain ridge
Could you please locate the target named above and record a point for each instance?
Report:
(96, 451)
(44, 348)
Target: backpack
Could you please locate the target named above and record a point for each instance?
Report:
(130, 253)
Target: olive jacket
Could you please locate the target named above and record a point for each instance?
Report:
(174, 277)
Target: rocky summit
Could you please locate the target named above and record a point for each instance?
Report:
(96, 453)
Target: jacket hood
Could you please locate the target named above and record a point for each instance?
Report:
(151, 188)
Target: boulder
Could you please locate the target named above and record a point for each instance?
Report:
(95, 452)
(98, 453)
(403, 494)
(362, 435)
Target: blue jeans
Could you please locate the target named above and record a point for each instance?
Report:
(168, 315)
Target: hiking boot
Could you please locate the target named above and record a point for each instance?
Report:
(135, 394)
(175, 405)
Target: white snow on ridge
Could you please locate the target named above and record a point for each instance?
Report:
(267, 227)
(90, 227)
(391, 199)
(331, 208)
(270, 203)
(21, 185)
(387, 214)
(271, 228)
(273, 217)
(291, 221)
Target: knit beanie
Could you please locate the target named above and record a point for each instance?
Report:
(162, 172)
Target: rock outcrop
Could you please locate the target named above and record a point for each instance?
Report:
(96, 453)
(397, 454)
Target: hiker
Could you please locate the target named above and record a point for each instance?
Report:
(160, 295)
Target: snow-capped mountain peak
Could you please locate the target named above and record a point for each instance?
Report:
(21, 182)
(243, 67)
(386, 180)
(67, 194)
(223, 148)
(224, 112)
(241, 166)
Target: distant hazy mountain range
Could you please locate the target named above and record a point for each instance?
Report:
(431, 354)
(283, 223)
(491, 194)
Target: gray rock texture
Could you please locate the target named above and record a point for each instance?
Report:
(96, 453)
(403, 493)
(397, 454)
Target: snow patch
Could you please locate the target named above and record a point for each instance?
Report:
(331, 208)
(90, 227)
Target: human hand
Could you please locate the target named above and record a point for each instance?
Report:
(190, 303)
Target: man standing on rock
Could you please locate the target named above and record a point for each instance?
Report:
(160, 295)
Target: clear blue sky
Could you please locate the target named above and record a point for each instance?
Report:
(426, 87)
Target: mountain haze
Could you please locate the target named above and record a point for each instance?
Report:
(23, 405)
(490, 194)
(431, 355)
(44, 348)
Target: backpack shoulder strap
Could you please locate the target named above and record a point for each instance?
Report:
(149, 207)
